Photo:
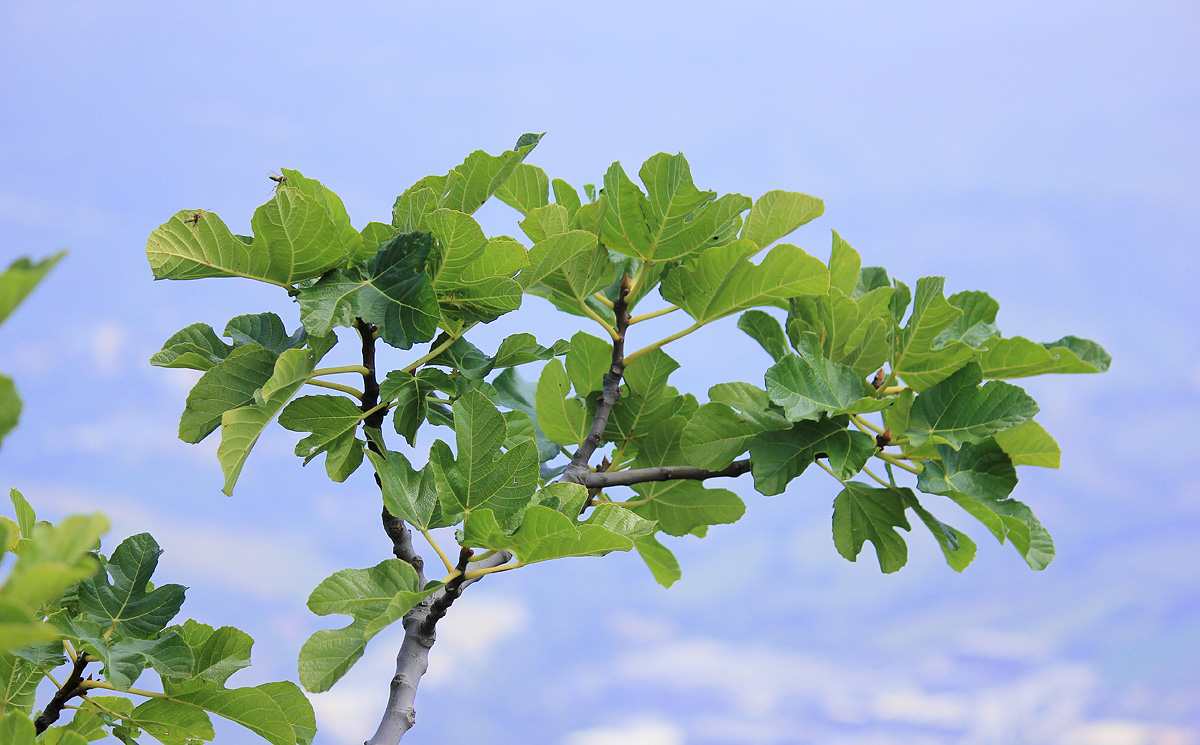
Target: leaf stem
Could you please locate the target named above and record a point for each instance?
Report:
(492, 570)
(350, 390)
(441, 554)
(373, 409)
(661, 342)
(653, 314)
(881, 481)
(90, 684)
(636, 284)
(829, 471)
(895, 461)
(864, 425)
(892, 390)
(438, 349)
(596, 317)
(343, 369)
(634, 502)
(603, 299)
(485, 555)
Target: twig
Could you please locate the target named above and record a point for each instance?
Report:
(602, 480)
(578, 468)
(69, 690)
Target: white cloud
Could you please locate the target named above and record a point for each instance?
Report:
(220, 555)
(476, 625)
(650, 730)
(109, 343)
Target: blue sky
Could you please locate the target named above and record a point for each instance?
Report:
(1045, 153)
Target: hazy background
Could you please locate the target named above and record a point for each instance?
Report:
(1044, 152)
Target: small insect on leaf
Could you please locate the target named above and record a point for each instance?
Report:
(195, 218)
(277, 177)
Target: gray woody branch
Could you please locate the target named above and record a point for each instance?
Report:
(413, 660)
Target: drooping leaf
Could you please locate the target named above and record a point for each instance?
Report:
(125, 603)
(409, 391)
(228, 385)
(862, 513)
(563, 419)
(125, 658)
(519, 349)
(332, 420)
(722, 280)
(482, 476)
(374, 598)
(19, 279)
(957, 547)
(959, 410)
(241, 427)
(409, 494)
(659, 559)
(777, 213)
(17, 729)
(1029, 444)
(1018, 357)
(296, 707)
(765, 330)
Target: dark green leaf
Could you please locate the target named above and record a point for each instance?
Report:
(765, 330)
(196, 347)
(228, 385)
(779, 456)
(125, 603)
(861, 514)
(807, 385)
(265, 330)
(958, 410)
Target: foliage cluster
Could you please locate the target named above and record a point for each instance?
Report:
(880, 385)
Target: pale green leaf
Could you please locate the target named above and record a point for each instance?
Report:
(408, 494)
(958, 548)
(659, 559)
(478, 177)
(563, 419)
(241, 427)
(19, 280)
(172, 722)
(587, 361)
(765, 330)
(1018, 357)
(349, 240)
(918, 356)
(722, 280)
(777, 213)
(527, 188)
(10, 406)
(1029, 444)
(196, 347)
